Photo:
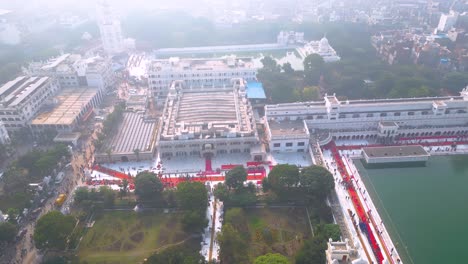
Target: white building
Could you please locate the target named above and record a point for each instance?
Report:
(322, 48)
(382, 119)
(21, 99)
(72, 70)
(99, 73)
(110, 29)
(286, 38)
(4, 137)
(207, 122)
(197, 73)
(9, 33)
(340, 252)
(447, 21)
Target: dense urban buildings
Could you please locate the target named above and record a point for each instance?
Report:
(74, 70)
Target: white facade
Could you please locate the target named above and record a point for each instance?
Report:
(332, 118)
(99, 73)
(322, 48)
(447, 21)
(287, 136)
(21, 98)
(4, 137)
(289, 38)
(198, 73)
(110, 29)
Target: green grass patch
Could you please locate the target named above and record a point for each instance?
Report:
(276, 230)
(128, 237)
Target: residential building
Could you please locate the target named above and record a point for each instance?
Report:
(286, 38)
(21, 99)
(196, 73)
(72, 70)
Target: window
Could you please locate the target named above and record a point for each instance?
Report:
(370, 115)
(289, 144)
(300, 144)
(355, 115)
(383, 114)
(397, 114)
(277, 145)
(411, 113)
(300, 150)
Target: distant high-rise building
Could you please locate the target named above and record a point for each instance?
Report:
(447, 21)
(110, 29)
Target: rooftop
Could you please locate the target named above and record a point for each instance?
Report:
(68, 108)
(207, 112)
(395, 151)
(255, 90)
(135, 132)
(14, 92)
(288, 128)
(201, 64)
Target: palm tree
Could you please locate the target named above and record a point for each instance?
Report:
(137, 154)
(123, 188)
(109, 152)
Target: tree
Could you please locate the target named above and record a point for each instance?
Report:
(7, 232)
(123, 188)
(52, 230)
(236, 177)
(176, 255)
(271, 258)
(148, 187)
(310, 93)
(317, 181)
(108, 196)
(232, 246)
(194, 221)
(109, 154)
(221, 192)
(12, 214)
(81, 194)
(137, 154)
(192, 195)
(327, 231)
(313, 68)
(455, 81)
(287, 68)
(283, 177)
(313, 251)
(269, 64)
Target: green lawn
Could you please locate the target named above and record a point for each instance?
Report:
(128, 237)
(277, 230)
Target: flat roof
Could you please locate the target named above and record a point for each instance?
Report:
(255, 90)
(207, 107)
(67, 136)
(287, 128)
(15, 91)
(70, 104)
(388, 123)
(395, 151)
(134, 133)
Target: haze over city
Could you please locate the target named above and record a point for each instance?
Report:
(233, 132)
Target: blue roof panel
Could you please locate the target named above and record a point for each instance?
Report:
(255, 90)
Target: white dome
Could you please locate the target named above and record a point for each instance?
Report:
(324, 42)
